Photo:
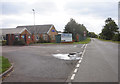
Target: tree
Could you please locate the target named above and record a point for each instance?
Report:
(109, 29)
(92, 35)
(73, 27)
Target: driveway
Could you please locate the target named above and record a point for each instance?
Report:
(37, 64)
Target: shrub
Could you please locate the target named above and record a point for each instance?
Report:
(19, 42)
(4, 42)
(40, 40)
(116, 37)
(43, 41)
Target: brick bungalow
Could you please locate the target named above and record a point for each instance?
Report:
(46, 32)
(16, 33)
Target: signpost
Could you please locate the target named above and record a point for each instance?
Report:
(66, 37)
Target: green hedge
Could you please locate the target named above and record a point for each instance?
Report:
(43, 41)
(19, 42)
(4, 42)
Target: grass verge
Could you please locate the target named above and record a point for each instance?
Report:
(4, 64)
(83, 42)
(109, 40)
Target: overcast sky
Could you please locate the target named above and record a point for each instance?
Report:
(91, 13)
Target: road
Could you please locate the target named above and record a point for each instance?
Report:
(36, 63)
(99, 63)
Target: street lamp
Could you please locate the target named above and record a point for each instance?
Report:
(34, 20)
(34, 16)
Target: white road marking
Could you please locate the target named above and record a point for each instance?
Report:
(83, 45)
(83, 51)
(75, 70)
(79, 61)
(72, 77)
(78, 65)
(80, 52)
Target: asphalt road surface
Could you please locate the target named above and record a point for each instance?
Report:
(99, 63)
(36, 63)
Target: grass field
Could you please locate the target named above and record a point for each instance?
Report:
(4, 64)
(109, 40)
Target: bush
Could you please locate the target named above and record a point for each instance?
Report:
(116, 37)
(19, 42)
(42, 41)
(4, 42)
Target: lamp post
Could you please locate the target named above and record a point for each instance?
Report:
(34, 16)
(34, 21)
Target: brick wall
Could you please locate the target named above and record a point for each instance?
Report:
(52, 33)
(25, 36)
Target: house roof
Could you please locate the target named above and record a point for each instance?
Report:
(12, 31)
(37, 28)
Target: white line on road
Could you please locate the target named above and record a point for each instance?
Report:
(72, 76)
(84, 51)
(79, 61)
(78, 65)
(80, 52)
(83, 45)
(75, 70)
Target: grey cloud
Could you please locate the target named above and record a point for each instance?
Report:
(45, 7)
(12, 7)
(8, 23)
(20, 7)
(104, 9)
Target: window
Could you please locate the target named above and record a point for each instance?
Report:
(3, 38)
(44, 37)
(22, 36)
(53, 37)
(16, 37)
(37, 37)
(29, 37)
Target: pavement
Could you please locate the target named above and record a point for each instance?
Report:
(99, 63)
(36, 64)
